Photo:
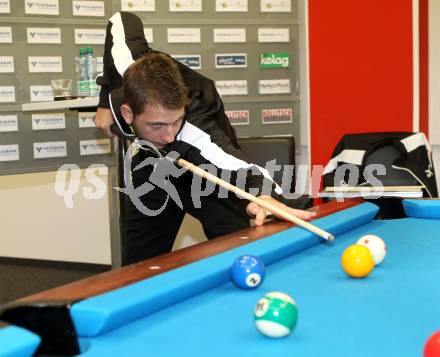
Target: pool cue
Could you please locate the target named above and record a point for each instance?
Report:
(269, 206)
(214, 179)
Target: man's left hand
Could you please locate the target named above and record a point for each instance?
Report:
(260, 213)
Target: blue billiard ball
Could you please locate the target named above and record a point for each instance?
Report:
(247, 272)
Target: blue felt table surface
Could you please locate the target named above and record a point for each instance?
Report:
(116, 308)
(390, 313)
(17, 342)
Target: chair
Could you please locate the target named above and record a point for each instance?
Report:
(406, 157)
(260, 150)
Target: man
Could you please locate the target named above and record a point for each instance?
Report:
(177, 110)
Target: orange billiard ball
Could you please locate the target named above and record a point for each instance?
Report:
(357, 261)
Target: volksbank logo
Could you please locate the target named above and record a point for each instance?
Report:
(9, 152)
(41, 93)
(47, 7)
(95, 147)
(45, 64)
(41, 4)
(7, 94)
(274, 60)
(4, 7)
(50, 149)
(88, 8)
(48, 121)
(89, 36)
(8, 123)
(37, 92)
(7, 91)
(85, 119)
(6, 64)
(43, 35)
(5, 34)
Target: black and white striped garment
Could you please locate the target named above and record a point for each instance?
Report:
(415, 157)
(206, 128)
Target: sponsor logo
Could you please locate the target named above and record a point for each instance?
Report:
(50, 149)
(238, 117)
(95, 147)
(6, 64)
(41, 93)
(274, 60)
(274, 86)
(275, 6)
(231, 6)
(185, 5)
(9, 152)
(48, 121)
(273, 35)
(229, 35)
(45, 64)
(47, 7)
(138, 5)
(88, 8)
(85, 119)
(43, 35)
(238, 87)
(231, 60)
(272, 116)
(5, 7)
(183, 35)
(89, 36)
(5, 35)
(7, 94)
(8, 123)
(192, 61)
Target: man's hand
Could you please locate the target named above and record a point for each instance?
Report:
(103, 120)
(261, 213)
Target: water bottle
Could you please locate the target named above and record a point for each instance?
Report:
(81, 78)
(91, 72)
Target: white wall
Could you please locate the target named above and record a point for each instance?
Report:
(190, 233)
(36, 224)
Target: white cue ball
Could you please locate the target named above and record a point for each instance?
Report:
(376, 245)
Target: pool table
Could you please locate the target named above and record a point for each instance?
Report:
(184, 304)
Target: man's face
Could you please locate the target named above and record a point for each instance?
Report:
(158, 125)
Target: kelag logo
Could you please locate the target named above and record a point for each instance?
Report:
(274, 60)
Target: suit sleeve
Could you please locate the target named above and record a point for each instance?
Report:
(248, 177)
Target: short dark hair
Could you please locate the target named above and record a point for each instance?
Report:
(154, 79)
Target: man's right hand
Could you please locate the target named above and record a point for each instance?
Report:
(103, 120)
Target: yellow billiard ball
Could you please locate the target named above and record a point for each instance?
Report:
(357, 261)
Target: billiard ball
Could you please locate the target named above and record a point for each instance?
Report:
(357, 261)
(247, 271)
(432, 346)
(275, 315)
(376, 245)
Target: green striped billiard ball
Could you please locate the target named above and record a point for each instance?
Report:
(276, 314)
